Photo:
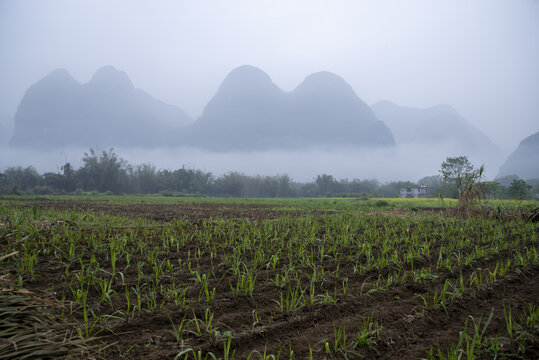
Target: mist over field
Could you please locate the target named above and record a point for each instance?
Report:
(404, 162)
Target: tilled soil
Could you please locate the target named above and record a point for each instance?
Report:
(165, 212)
(408, 330)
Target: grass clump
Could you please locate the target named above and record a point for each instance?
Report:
(27, 331)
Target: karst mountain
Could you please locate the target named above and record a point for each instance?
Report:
(107, 111)
(248, 112)
(524, 161)
(440, 124)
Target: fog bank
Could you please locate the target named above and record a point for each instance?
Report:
(403, 162)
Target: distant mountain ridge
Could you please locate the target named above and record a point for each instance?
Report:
(250, 112)
(524, 161)
(436, 124)
(58, 111)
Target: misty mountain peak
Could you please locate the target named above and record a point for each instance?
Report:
(58, 77)
(109, 77)
(248, 73)
(325, 83)
(247, 78)
(107, 111)
(250, 112)
(60, 74)
(439, 124)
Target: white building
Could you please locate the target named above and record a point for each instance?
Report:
(414, 192)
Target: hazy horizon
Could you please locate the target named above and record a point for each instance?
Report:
(402, 163)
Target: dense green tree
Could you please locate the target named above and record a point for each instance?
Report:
(455, 169)
(3, 183)
(327, 185)
(260, 186)
(308, 190)
(284, 186)
(535, 187)
(267, 186)
(145, 179)
(356, 186)
(506, 180)
(493, 189)
(519, 189)
(458, 174)
(185, 180)
(69, 175)
(200, 181)
(103, 173)
(54, 180)
(19, 178)
(230, 184)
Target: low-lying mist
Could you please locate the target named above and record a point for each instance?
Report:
(403, 162)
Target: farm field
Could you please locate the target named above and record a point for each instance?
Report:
(184, 278)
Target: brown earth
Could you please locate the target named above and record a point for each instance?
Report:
(164, 212)
(408, 331)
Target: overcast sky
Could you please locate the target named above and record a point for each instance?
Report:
(480, 56)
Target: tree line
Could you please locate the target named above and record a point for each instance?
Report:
(106, 173)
